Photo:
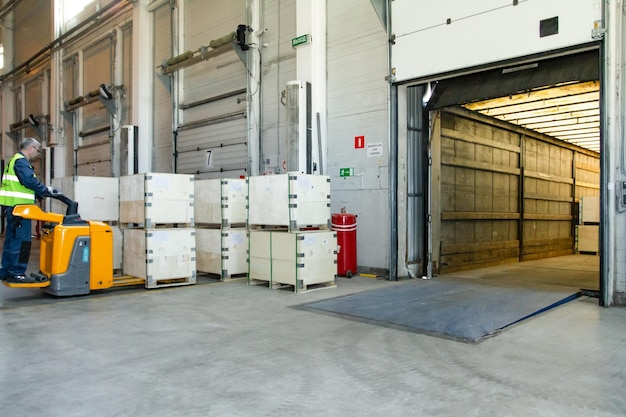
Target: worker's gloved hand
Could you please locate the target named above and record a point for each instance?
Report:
(53, 190)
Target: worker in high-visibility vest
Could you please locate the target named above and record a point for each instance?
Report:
(19, 186)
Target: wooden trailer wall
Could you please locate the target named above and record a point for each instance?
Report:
(507, 194)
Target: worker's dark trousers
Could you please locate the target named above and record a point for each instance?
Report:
(16, 249)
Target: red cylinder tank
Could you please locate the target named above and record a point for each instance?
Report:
(345, 226)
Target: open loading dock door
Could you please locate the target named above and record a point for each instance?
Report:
(507, 192)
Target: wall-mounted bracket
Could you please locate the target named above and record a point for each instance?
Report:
(68, 116)
(37, 125)
(81, 101)
(202, 54)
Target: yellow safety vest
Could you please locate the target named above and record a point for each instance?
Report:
(12, 192)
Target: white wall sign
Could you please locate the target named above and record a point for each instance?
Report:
(374, 150)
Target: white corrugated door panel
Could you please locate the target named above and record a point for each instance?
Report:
(212, 134)
(435, 38)
(97, 69)
(94, 144)
(218, 150)
(95, 160)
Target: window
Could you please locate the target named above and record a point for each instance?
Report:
(73, 7)
(75, 11)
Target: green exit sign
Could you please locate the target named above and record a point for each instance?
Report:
(300, 40)
(346, 172)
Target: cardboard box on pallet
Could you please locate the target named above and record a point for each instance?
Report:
(157, 198)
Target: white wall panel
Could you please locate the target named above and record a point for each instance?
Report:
(279, 67)
(162, 127)
(482, 32)
(357, 106)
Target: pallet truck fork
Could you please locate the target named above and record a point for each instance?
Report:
(76, 256)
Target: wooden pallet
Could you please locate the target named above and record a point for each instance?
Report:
(223, 225)
(223, 277)
(158, 226)
(279, 228)
(302, 289)
(172, 282)
(127, 280)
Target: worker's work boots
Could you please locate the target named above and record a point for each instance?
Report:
(20, 279)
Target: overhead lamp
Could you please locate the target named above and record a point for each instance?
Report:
(105, 92)
(241, 37)
(33, 120)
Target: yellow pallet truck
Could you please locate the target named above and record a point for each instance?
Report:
(76, 256)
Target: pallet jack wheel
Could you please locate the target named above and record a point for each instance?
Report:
(39, 277)
(348, 274)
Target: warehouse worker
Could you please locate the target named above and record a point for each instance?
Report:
(19, 186)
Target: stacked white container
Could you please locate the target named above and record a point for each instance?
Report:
(157, 217)
(98, 199)
(220, 219)
(289, 232)
(588, 229)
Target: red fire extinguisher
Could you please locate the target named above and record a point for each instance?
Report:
(344, 224)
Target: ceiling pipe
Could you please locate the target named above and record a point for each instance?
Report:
(8, 8)
(102, 15)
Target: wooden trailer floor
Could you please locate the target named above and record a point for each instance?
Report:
(571, 271)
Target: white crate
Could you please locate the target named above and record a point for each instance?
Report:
(157, 198)
(222, 251)
(221, 201)
(297, 259)
(97, 197)
(587, 238)
(158, 255)
(294, 200)
(260, 255)
(118, 247)
(590, 209)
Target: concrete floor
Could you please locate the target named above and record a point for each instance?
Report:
(228, 349)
